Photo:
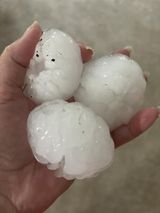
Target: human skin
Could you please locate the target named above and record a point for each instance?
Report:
(25, 185)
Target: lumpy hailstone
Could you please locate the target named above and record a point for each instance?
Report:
(113, 86)
(56, 68)
(70, 138)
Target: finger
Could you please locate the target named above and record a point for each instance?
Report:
(16, 57)
(124, 51)
(141, 122)
(127, 51)
(31, 104)
(146, 75)
(86, 52)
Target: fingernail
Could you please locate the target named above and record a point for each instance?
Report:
(33, 25)
(124, 51)
(149, 117)
(158, 107)
(88, 48)
(30, 28)
(90, 51)
(146, 75)
(129, 48)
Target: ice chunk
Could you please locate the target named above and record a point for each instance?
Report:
(56, 68)
(114, 87)
(70, 138)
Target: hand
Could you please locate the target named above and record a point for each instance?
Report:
(25, 185)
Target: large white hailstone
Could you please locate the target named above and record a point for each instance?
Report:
(70, 138)
(56, 68)
(113, 86)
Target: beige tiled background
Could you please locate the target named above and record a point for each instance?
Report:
(132, 185)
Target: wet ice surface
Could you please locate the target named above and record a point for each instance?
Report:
(56, 68)
(113, 86)
(70, 138)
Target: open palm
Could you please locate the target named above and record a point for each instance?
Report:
(25, 185)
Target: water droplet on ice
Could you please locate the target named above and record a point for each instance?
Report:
(46, 133)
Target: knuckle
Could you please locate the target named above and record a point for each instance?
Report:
(5, 94)
(8, 49)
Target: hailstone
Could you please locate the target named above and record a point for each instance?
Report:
(113, 86)
(70, 138)
(55, 69)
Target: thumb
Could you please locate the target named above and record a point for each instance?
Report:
(16, 57)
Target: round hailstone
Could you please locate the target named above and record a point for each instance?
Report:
(56, 68)
(70, 138)
(114, 87)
